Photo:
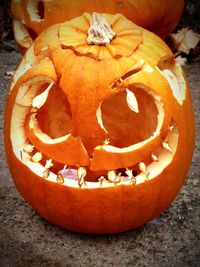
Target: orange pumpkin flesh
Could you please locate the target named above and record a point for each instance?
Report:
(31, 17)
(119, 117)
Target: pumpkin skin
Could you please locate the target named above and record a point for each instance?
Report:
(134, 68)
(31, 17)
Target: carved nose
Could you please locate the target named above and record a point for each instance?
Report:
(85, 125)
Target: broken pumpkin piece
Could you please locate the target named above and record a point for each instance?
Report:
(111, 124)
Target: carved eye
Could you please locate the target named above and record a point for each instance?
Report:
(125, 125)
(54, 117)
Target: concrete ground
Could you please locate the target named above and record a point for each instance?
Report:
(172, 239)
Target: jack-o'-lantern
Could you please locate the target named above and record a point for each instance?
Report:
(31, 17)
(99, 126)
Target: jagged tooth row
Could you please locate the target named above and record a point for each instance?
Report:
(113, 176)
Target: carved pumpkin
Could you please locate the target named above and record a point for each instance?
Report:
(99, 126)
(31, 17)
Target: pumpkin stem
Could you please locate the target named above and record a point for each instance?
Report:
(99, 32)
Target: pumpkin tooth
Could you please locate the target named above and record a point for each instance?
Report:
(118, 178)
(40, 99)
(166, 146)
(132, 101)
(48, 164)
(147, 176)
(143, 167)
(46, 173)
(101, 180)
(81, 176)
(129, 173)
(106, 142)
(132, 180)
(65, 167)
(59, 178)
(154, 157)
(21, 154)
(113, 177)
(28, 148)
(130, 176)
(171, 127)
(37, 157)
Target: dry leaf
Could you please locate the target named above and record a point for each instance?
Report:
(185, 39)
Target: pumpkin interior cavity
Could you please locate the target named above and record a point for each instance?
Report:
(54, 117)
(126, 127)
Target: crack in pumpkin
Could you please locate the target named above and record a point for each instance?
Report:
(90, 55)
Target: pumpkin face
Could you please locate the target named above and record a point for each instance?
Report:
(31, 17)
(99, 127)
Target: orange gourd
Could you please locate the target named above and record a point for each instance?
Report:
(99, 125)
(31, 17)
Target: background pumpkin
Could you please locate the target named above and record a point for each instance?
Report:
(31, 17)
(119, 182)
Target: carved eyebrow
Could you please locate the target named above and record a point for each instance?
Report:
(136, 68)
